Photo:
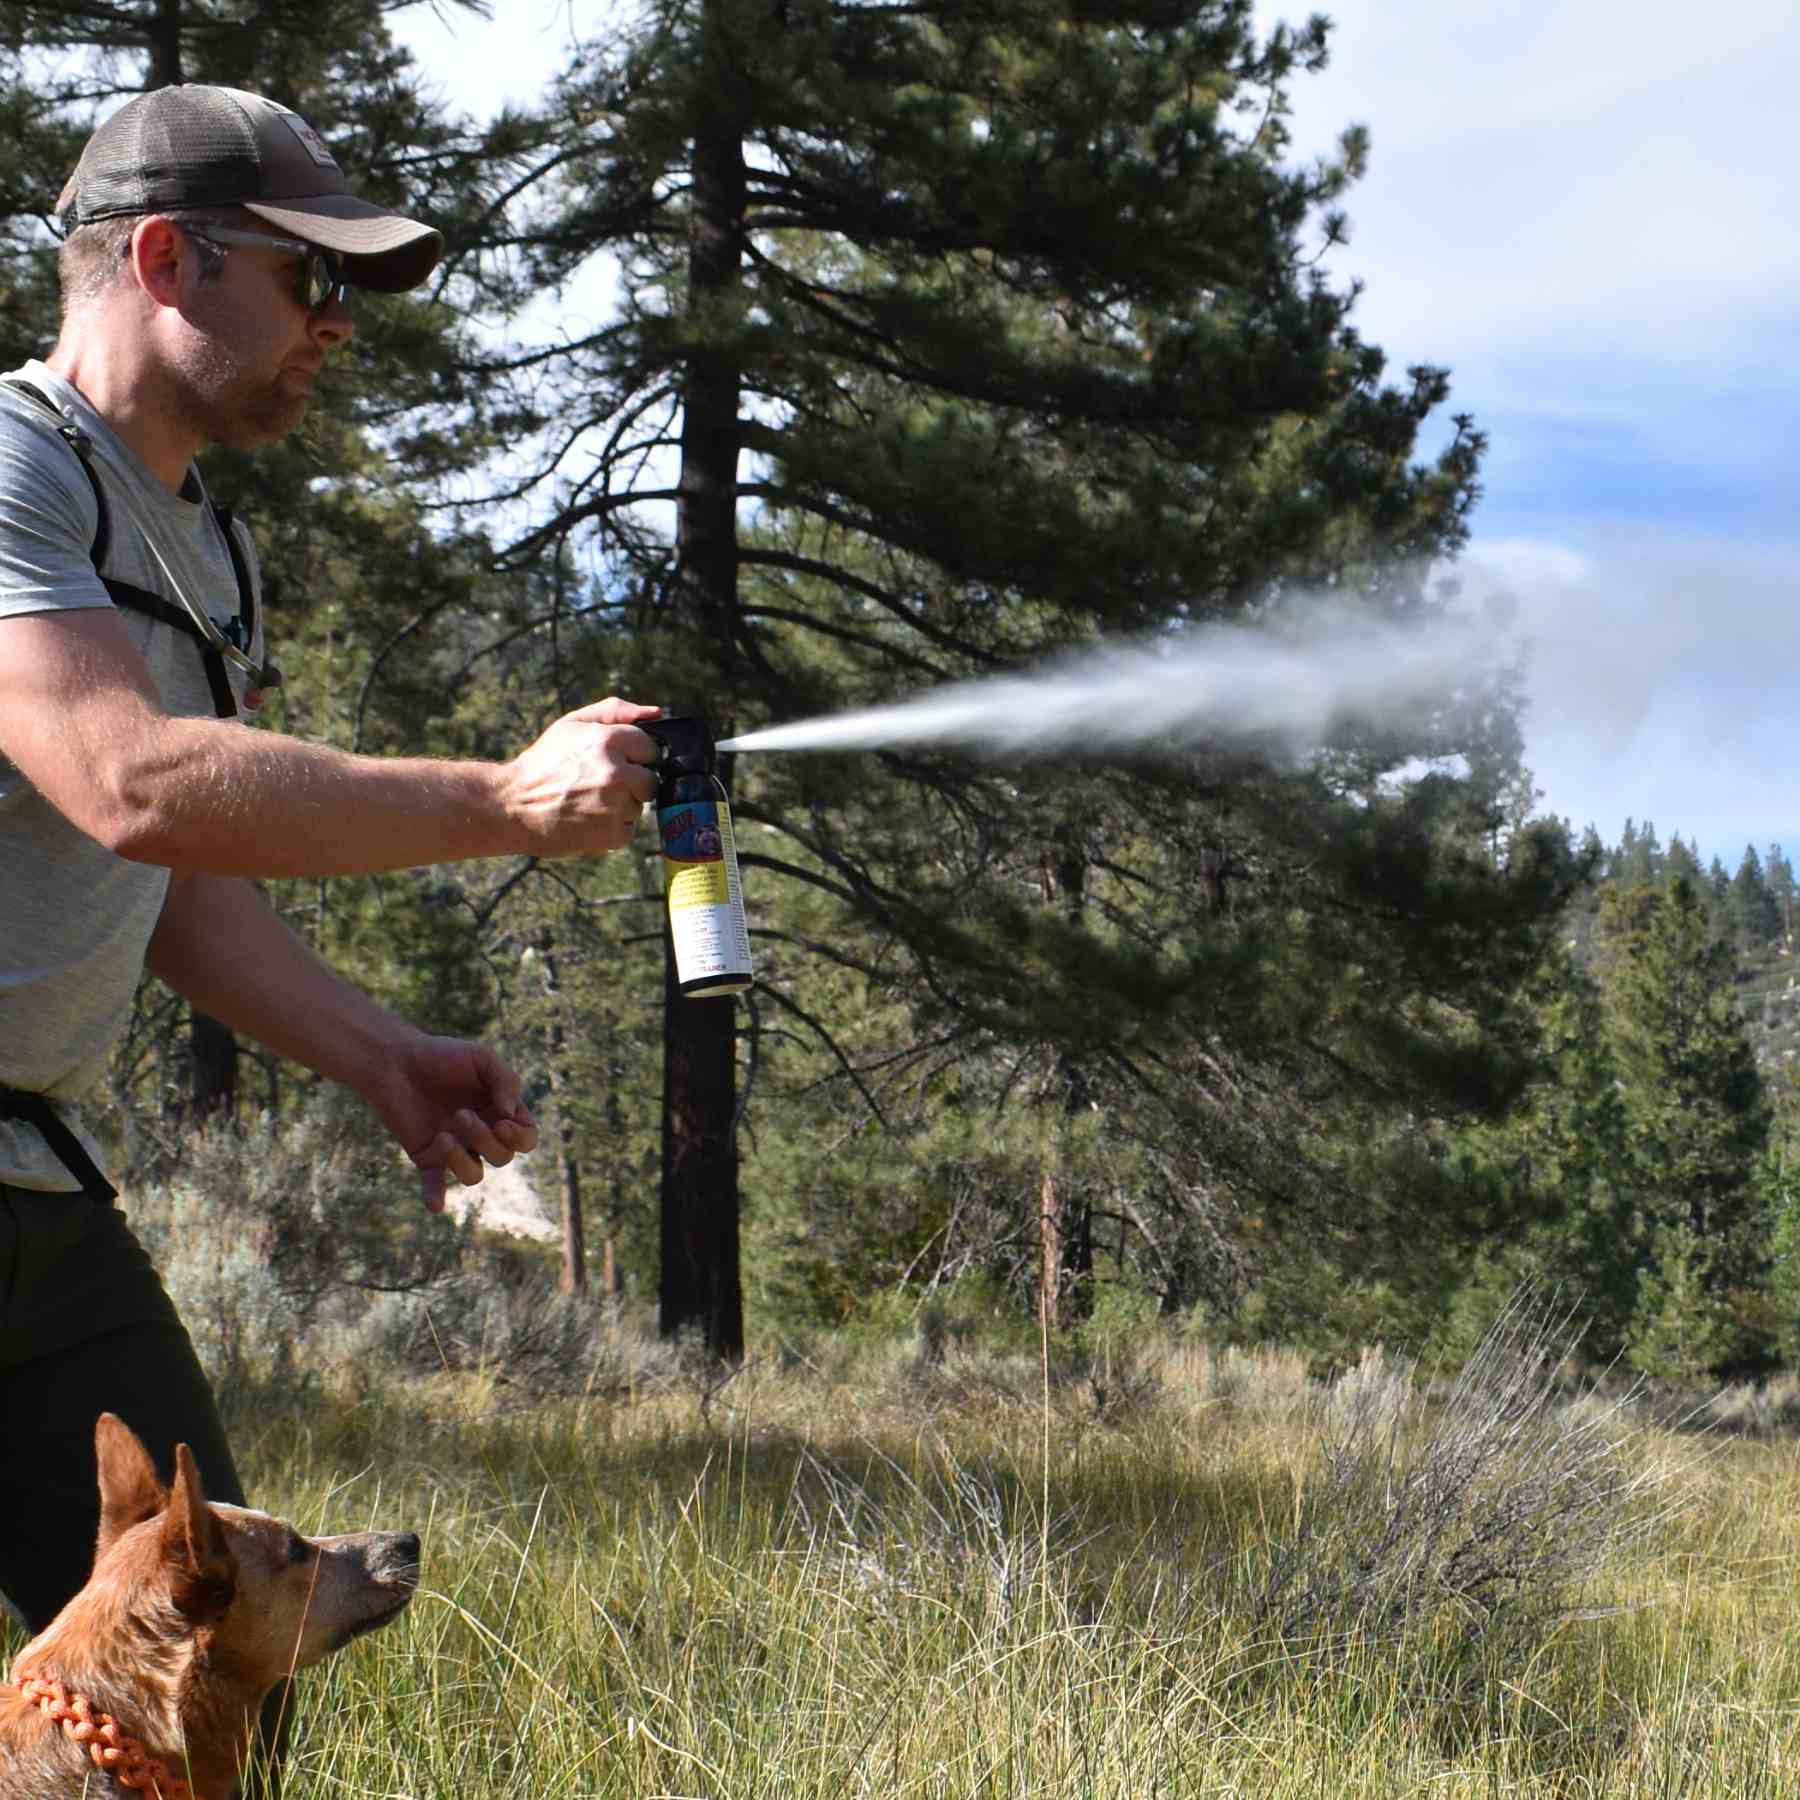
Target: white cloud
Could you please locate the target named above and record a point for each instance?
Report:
(1585, 211)
(1585, 171)
(1661, 681)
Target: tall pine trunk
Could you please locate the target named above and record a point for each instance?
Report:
(701, 1289)
(163, 31)
(568, 1167)
(213, 1048)
(213, 1069)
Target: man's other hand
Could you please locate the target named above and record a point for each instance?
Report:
(455, 1108)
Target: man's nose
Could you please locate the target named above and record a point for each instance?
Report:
(332, 325)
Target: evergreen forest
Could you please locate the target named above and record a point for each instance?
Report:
(792, 356)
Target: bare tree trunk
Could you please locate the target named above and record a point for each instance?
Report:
(619, 1189)
(164, 31)
(568, 1177)
(213, 1071)
(1213, 871)
(701, 1289)
(1066, 1228)
(212, 1078)
(568, 1168)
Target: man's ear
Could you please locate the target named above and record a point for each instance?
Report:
(196, 1556)
(129, 1490)
(158, 251)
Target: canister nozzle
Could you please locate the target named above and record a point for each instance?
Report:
(687, 746)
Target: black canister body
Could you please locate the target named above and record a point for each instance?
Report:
(704, 898)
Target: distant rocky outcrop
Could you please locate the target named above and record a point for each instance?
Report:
(508, 1203)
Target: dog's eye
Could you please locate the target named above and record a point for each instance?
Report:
(299, 1550)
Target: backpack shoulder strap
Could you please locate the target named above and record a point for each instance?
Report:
(83, 446)
(241, 631)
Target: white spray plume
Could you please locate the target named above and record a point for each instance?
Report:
(1215, 685)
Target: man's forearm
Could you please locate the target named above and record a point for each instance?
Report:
(220, 945)
(226, 801)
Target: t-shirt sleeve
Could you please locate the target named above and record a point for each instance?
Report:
(48, 518)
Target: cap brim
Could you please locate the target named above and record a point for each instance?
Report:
(381, 250)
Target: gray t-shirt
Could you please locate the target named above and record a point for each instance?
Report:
(74, 918)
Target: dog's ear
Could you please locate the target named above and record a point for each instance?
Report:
(129, 1490)
(196, 1556)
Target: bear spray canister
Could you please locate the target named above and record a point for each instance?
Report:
(700, 871)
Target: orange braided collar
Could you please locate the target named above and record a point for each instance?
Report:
(122, 1757)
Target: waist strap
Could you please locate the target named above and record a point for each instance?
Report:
(65, 1146)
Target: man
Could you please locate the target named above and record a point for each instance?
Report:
(210, 242)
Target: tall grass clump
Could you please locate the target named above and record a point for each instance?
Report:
(1475, 1514)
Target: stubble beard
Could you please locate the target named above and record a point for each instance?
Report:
(231, 404)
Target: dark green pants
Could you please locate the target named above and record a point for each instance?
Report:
(85, 1328)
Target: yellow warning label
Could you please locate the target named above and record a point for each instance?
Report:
(698, 884)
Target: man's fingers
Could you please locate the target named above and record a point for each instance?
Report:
(465, 1165)
(520, 1135)
(470, 1147)
(614, 711)
(476, 1138)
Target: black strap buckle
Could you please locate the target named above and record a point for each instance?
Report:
(65, 1146)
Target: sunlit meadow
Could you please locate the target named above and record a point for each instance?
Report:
(928, 1570)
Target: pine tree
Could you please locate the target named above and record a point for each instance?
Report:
(1559, 1156)
(950, 339)
(1696, 1116)
(1780, 874)
(1626, 854)
(1681, 864)
(1640, 859)
(1755, 918)
(1718, 888)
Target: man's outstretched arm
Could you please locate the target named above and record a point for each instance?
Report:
(81, 720)
(453, 1106)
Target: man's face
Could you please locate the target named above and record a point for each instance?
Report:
(256, 348)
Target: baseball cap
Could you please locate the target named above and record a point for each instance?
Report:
(195, 146)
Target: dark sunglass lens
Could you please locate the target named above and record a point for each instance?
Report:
(324, 278)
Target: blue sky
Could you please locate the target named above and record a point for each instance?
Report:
(1586, 212)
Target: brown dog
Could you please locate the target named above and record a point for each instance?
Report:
(156, 1670)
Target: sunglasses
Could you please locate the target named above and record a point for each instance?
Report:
(322, 276)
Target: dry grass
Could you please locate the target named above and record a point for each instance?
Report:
(881, 1574)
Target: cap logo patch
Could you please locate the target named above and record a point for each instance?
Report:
(314, 144)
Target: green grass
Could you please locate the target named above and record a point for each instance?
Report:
(885, 1577)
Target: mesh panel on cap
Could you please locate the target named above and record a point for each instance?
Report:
(173, 147)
